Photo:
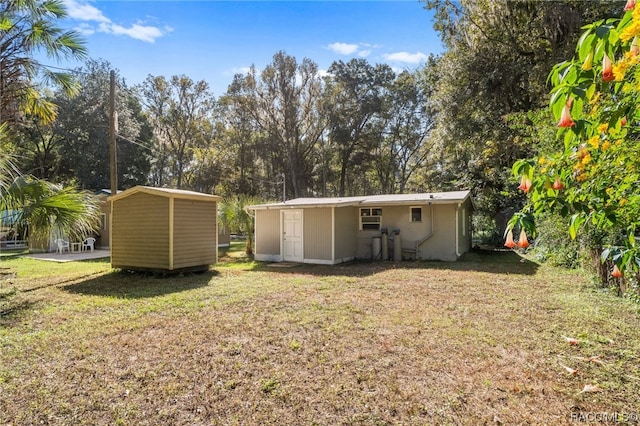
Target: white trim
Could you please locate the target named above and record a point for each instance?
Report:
(165, 192)
(326, 261)
(371, 200)
(268, 257)
(371, 215)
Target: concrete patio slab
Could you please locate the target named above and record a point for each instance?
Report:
(70, 257)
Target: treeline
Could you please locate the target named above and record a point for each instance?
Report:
(460, 121)
(360, 129)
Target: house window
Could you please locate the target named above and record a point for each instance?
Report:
(416, 214)
(103, 222)
(370, 219)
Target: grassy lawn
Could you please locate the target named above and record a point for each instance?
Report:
(482, 340)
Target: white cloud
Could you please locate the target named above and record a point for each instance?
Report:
(88, 13)
(136, 31)
(241, 70)
(364, 53)
(409, 58)
(85, 29)
(84, 12)
(343, 48)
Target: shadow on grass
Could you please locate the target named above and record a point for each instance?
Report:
(136, 285)
(489, 261)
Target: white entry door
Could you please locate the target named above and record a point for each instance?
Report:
(292, 235)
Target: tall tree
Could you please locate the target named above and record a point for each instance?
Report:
(356, 91)
(497, 58)
(28, 27)
(241, 137)
(409, 120)
(180, 111)
(285, 103)
(83, 130)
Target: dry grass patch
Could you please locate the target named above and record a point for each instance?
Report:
(477, 341)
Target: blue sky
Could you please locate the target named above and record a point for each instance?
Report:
(212, 40)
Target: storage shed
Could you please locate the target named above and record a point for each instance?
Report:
(160, 229)
(428, 226)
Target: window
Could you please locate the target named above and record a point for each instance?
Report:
(416, 214)
(103, 222)
(370, 219)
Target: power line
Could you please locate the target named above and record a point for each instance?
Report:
(40, 64)
(138, 143)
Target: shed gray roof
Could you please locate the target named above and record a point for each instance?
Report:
(166, 192)
(370, 200)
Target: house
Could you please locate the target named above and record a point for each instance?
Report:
(104, 233)
(160, 229)
(431, 226)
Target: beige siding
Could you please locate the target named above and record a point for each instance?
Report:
(396, 217)
(442, 244)
(267, 232)
(140, 233)
(346, 231)
(195, 233)
(317, 238)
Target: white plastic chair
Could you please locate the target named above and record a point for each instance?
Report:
(62, 245)
(88, 243)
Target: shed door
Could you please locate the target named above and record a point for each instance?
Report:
(292, 235)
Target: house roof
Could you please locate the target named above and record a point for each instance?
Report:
(166, 192)
(451, 197)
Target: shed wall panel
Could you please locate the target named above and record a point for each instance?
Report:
(317, 233)
(267, 232)
(442, 245)
(195, 233)
(140, 232)
(346, 230)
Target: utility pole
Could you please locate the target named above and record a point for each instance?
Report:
(113, 159)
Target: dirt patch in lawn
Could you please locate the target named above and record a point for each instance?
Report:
(485, 340)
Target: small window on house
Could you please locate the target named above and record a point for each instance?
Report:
(103, 222)
(370, 219)
(416, 214)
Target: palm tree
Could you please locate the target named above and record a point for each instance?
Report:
(44, 208)
(234, 216)
(26, 28)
